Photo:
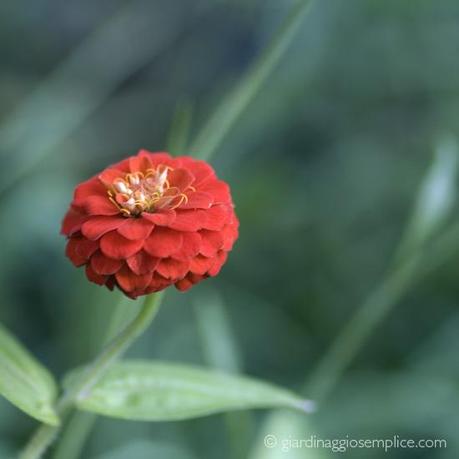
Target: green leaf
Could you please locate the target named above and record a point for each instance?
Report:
(24, 381)
(435, 199)
(158, 391)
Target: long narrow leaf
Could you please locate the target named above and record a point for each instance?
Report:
(158, 391)
(24, 381)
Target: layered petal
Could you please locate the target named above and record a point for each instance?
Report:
(142, 263)
(216, 217)
(91, 187)
(73, 221)
(162, 218)
(95, 227)
(173, 269)
(136, 228)
(180, 178)
(201, 264)
(188, 220)
(191, 244)
(115, 246)
(108, 176)
(211, 242)
(79, 250)
(163, 242)
(219, 190)
(140, 163)
(131, 282)
(198, 200)
(98, 279)
(104, 265)
(99, 205)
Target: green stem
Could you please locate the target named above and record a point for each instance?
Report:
(80, 424)
(375, 309)
(45, 434)
(358, 329)
(234, 104)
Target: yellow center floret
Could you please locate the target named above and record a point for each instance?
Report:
(139, 192)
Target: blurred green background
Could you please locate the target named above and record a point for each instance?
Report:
(325, 167)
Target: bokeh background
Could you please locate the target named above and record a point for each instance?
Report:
(325, 166)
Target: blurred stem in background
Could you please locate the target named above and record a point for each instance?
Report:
(435, 200)
(207, 142)
(221, 352)
(418, 254)
(234, 104)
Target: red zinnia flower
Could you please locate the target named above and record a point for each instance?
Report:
(151, 221)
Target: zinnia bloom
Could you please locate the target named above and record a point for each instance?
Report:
(151, 221)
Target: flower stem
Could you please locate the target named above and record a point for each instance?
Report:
(46, 434)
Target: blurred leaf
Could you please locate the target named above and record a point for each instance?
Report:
(436, 196)
(157, 391)
(24, 381)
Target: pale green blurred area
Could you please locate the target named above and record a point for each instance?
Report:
(325, 166)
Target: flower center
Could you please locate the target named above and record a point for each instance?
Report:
(139, 192)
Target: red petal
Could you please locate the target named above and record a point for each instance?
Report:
(173, 269)
(91, 187)
(161, 218)
(99, 205)
(198, 200)
(219, 262)
(201, 265)
(180, 178)
(184, 284)
(94, 277)
(218, 189)
(118, 247)
(230, 234)
(200, 169)
(190, 246)
(188, 282)
(109, 175)
(157, 283)
(136, 228)
(142, 263)
(163, 242)
(188, 220)
(104, 265)
(97, 226)
(111, 282)
(72, 222)
(140, 163)
(212, 242)
(80, 249)
(158, 158)
(217, 217)
(131, 282)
